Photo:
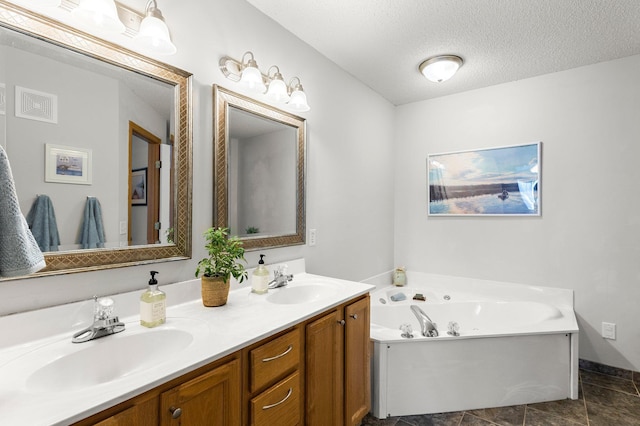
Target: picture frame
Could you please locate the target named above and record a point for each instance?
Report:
(502, 181)
(67, 164)
(138, 195)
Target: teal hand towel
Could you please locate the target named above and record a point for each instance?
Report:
(19, 251)
(92, 227)
(42, 222)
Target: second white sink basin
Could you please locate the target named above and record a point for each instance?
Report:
(302, 293)
(108, 358)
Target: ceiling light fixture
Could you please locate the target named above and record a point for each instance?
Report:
(153, 35)
(440, 68)
(100, 14)
(247, 73)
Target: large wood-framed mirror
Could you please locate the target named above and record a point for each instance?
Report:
(259, 171)
(106, 96)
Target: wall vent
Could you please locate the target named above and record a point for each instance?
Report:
(36, 105)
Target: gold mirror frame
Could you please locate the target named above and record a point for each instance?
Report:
(24, 21)
(222, 100)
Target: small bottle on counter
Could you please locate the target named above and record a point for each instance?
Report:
(260, 278)
(399, 277)
(153, 304)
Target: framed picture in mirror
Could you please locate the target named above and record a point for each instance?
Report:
(139, 187)
(66, 164)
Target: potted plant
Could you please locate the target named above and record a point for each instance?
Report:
(222, 264)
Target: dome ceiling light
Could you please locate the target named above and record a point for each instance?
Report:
(440, 68)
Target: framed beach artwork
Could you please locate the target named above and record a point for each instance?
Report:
(139, 187)
(502, 181)
(67, 164)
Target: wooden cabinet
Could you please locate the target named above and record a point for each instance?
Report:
(274, 390)
(314, 373)
(210, 399)
(337, 378)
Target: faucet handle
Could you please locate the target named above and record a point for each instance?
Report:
(103, 308)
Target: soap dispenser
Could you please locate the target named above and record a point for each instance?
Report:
(153, 304)
(260, 278)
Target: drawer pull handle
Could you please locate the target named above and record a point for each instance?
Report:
(341, 322)
(354, 316)
(266, 407)
(175, 412)
(289, 349)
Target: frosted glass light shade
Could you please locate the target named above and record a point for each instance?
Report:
(440, 68)
(251, 78)
(278, 91)
(47, 3)
(298, 101)
(101, 14)
(154, 37)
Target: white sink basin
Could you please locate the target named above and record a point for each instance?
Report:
(106, 359)
(302, 293)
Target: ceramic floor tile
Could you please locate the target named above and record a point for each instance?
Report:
(506, 416)
(573, 410)
(370, 420)
(617, 401)
(602, 415)
(471, 420)
(440, 419)
(605, 369)
(540, 418)
(610, 382)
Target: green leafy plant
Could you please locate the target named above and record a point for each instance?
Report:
(224, 254)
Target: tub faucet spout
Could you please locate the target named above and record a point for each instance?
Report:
(427, 326)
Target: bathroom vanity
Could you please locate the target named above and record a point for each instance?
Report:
(297, 355)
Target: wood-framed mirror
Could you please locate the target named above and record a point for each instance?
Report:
(141, 88)
(259, 171)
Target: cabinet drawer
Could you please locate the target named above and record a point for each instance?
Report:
(278, 405)
(271, 360)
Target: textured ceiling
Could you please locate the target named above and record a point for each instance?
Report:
(382, 42)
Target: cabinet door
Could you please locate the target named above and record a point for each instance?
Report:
(143, 413)
(357, 398)
(323, 370)
(213, 398)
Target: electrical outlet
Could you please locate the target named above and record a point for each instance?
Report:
(123, 227)
(609, 330)
(312, 237)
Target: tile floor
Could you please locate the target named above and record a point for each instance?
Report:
(608, 397)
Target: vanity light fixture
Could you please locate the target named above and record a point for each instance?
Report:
(100, 14)
(440, 68)
(247, 73)
(278, 91)
(47, 3)
(153, 35)
(298, 101)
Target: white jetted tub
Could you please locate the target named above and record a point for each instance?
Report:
(516, 344)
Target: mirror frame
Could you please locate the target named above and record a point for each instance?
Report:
(222, 100)
(16, 18)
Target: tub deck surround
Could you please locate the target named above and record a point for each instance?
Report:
(41, 337)
(518, 344)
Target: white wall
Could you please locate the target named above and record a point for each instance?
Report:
(349, 168)
(587, 237)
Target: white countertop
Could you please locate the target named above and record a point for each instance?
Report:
(32, 340)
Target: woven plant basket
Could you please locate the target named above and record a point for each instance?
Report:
(214, 291)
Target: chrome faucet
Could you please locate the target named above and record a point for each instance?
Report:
(104, 321)
(280, 277)
(427, 326)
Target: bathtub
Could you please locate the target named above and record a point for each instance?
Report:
(517, 344)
